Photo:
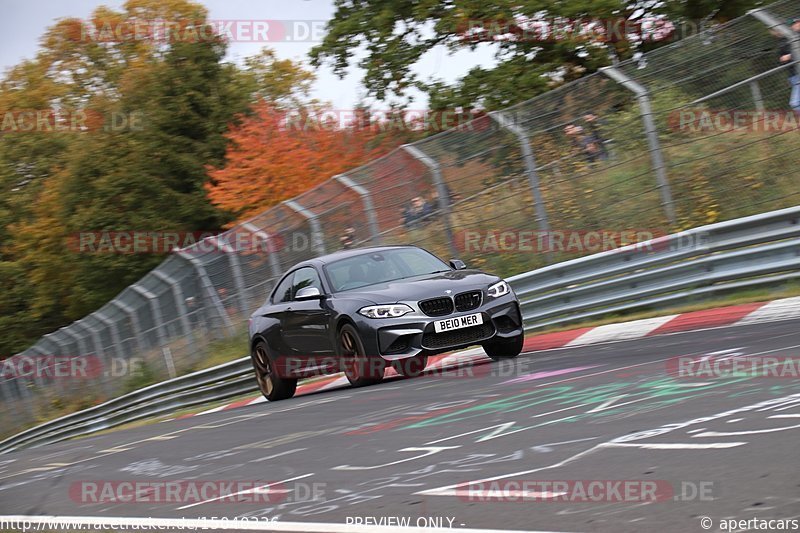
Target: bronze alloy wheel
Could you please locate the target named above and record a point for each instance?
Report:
(272, 386)
(360, 369)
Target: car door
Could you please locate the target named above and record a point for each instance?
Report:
(280, 301)
(305, 322)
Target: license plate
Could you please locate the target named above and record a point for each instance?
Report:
(458, 322)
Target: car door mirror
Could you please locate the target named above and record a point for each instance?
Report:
(458, 264)
(308, 293)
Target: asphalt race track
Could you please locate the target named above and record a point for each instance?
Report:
(471, 449)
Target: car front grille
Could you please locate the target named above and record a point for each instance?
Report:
(467, 301)
(457, 337)
(437, 306)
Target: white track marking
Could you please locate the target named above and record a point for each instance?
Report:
(739, 433)
(97, 522)
(674, 445)
(622, 331)
(452, 490)
(430, 450)
(248, 491)
(278, 455)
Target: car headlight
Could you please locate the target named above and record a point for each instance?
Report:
(385, 311)
(499, 289)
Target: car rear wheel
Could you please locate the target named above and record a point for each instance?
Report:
(504, 349)
(272, 386)
(360, 369)
(412, 366)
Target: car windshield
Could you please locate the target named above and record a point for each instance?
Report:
(370, 268)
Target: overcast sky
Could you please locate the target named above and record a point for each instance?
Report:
(24, 22)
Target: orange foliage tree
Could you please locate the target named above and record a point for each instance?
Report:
(272, 157)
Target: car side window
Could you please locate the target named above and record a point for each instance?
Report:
(284, 291)
(306, 277)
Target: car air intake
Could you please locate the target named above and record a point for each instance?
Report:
(457, 337)
(437, 306)
(467, 301)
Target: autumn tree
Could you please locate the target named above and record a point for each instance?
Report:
(175, 100)
(274, 156)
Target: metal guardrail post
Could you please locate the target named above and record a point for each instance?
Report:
(530, 166)
(369, 208)
(316, 230)
(236, 270)
(135, 325)
(157, 318)
(773, 23)
(651, 131)
(116, 340)
(180, 301)
(274, 264)
(208, 287)
(758, 100)
(441, 189)
(79, 340)
(53, 339)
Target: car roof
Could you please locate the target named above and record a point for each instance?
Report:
(344, 254)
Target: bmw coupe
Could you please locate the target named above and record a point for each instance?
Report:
(360, 310)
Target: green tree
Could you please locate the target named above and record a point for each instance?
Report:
(395, 34)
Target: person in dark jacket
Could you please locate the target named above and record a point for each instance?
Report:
(785, 56)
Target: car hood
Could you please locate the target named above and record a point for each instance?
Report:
(423, 287)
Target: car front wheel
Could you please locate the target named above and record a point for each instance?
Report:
(504, 349)
(272, 386)
(360, 369)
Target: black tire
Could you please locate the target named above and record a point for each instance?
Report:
(360, 369)
(504, 349)
(272, 386)
(411, 367)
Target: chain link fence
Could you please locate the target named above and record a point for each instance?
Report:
(644, 144)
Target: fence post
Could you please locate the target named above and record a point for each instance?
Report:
(79, 340)
(316, 230)
(116, 341)
(53, 339)
(157, 318)
(99, 350)
(180, 301)
(441, 189)
(137, 328)
(650, 130)
(758, 100)
(530, 166)
(369, 208)
(274, 265)
(773, 23)
(236, 270)
(208, 287)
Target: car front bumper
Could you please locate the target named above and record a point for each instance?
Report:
(414, 334)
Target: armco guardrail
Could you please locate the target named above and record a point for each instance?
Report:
(749, 251)
(755, 250)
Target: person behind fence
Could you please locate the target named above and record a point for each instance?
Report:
(785, 56)
(595, 136)
(414, 212)
(582, 143)
(347, 240)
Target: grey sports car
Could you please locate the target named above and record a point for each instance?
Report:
(360, 310)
